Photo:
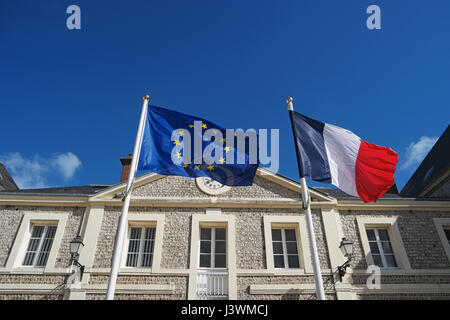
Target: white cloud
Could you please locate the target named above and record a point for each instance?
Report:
(35, 172)
(67, 164)
(417, 151)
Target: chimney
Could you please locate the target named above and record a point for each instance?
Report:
(126, 164)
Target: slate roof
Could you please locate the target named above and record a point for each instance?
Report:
(435, 164)
(341, 195)
(6, 182)
(71, 191)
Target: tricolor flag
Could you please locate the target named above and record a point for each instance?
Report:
(331, 154)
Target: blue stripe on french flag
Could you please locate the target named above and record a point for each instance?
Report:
(331, 154)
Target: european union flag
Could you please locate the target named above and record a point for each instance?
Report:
(183, 145)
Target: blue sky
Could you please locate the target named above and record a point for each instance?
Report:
(70, 99)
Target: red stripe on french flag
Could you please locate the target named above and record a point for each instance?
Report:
(374, 171)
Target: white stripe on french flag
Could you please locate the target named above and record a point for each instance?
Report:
(331, 154)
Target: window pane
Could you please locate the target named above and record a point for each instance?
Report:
(29, 257)
(37, 231)
(278, 261)
(447, 234)
(374, 247)
(293, 261)
(33, 245)
(221, 247)
(383, 234)
(276, 234)
(390, 260)
(370, 235)
(51, 232)
(290, 235)
(46, 246)
(220, 234)
(150, 233)
(133, 246)
(277, 248)
(148, 246)
(205, 246)
(132, 260)
(387, 248)
(147, 260)
(205, 234)
(377, 260)
(135, 233)
(221, 261)
(291, 247)
(205, 260)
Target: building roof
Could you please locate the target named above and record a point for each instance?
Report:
(435, 166)
(75, 191)
(341, 195)
(6, 182)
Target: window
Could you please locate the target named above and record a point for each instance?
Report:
(39, 246)
(381, 248)
(140, 247)
(447, 234)
(285, 251)
(213, 248)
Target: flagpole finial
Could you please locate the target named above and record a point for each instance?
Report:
(146, 97)
(289, 103)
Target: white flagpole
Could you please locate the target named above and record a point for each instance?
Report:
(123, 219)
(309, 223)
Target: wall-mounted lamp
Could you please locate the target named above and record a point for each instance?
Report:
(76, 245)
(346, 247)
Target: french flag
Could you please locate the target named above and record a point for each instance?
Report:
(331, 154)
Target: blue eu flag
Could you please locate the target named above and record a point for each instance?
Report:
(183, 145)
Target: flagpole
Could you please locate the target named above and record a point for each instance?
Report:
(123, 219)
(306, 205)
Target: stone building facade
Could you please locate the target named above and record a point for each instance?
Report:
(249, 232)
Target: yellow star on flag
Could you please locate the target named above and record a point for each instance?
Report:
(185, 165)
(210, 167)
(176, 142)
(224, 139)
(227, 149)
(204, 126)
(222, 160)
(181, 133)
(191, 126)
(197, 167)
(178, 155)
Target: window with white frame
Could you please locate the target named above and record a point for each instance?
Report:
(213, 248)
(39, 245)
(285, 248)
(140, 247)
(381, 248)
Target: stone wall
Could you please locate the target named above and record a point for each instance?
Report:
(176, 237)
(180, 283)
(11, 217)
(244, 283)
(405, 279)
(418, 232)
(172, 186)
(405, 296)
(250, 245)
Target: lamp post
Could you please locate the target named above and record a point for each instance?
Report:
(76, 245)
(346, 247)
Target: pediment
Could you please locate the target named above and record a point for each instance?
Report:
(266, 186)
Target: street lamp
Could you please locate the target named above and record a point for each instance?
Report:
(76, 245)
(346, 247)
